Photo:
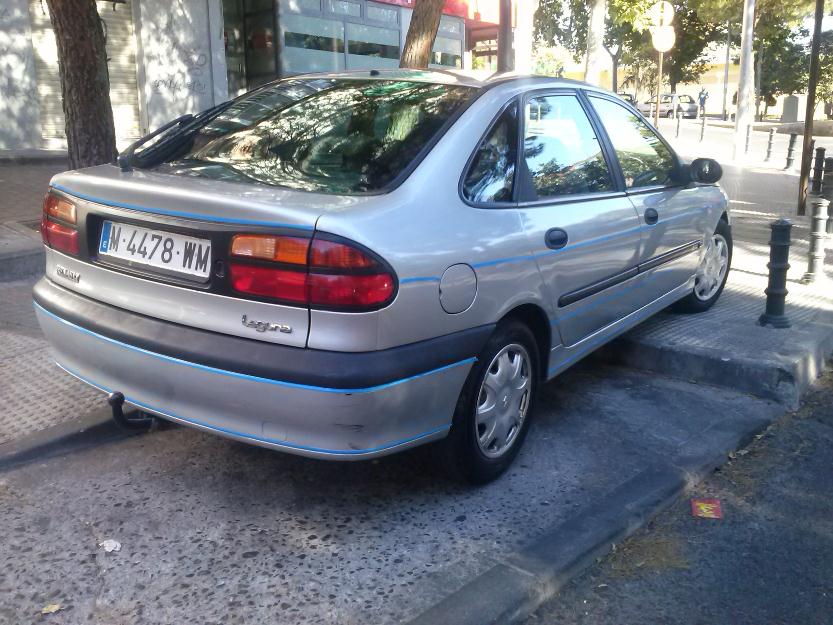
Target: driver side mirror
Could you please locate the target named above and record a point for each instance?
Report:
(705, 170)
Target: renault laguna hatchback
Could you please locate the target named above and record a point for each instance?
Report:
(344, 266)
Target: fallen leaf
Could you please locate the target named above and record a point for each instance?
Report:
(110, 545)
(51, 608)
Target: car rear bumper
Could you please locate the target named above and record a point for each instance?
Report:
(337, 405)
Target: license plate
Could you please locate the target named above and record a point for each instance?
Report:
(156, 248)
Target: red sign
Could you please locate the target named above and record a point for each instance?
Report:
(706, 508)
(478, 10)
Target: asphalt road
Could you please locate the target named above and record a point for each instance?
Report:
(769, 561)
(214, 531)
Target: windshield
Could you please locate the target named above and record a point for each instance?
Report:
(336, 136)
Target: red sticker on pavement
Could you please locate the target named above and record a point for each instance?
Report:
(706, 508)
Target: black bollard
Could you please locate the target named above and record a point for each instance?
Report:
(827, 185)
(791, 150)
(769, 144)
(818, 172)
(702, 126)
(678, 124)
(827, 192)
(815, 257)
(779, 263)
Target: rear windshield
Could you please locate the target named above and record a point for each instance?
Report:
(324, 135)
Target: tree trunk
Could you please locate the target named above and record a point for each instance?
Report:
(85, 82)
(614, 74)
(425, 21)
(595, 41)
(758, 71)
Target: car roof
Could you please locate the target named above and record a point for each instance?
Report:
(458, 77)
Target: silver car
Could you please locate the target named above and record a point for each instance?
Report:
(344, 266)
(686, 106)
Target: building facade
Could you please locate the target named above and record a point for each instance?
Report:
(171, 57)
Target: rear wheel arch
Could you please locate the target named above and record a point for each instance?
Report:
(534, 317)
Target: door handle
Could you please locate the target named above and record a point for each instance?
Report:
(556, 238)
(651, 216)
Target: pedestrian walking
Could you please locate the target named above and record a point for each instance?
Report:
(701, 98)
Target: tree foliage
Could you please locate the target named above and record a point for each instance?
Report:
(784, 62)
(824, 90)
(626, 37)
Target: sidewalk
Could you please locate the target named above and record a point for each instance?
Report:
(726, 346)
(23, 185)
(36, 394)
(769, 560)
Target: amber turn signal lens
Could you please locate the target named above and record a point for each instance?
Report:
(291, 250)
(59, 208)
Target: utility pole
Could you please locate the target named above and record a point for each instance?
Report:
(505, 55)
(744, 115)
(811, 108)
(726, 69)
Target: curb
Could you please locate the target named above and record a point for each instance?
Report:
(33, 157)
(90, 430)
(784, 381)
(23, 264)
(516, 586)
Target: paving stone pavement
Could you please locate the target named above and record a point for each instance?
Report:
(35, 393)
(23, 186)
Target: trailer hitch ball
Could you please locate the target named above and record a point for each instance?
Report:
(134, 420)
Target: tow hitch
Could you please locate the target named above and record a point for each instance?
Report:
(134, 420)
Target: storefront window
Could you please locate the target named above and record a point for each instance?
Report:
(296, 6)
(448, 52)
(344, 7)
(378, 13)
(371, 47)
(260, 48)
(312, 44)
(450, 26)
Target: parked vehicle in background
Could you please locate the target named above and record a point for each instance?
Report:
(348, 265)
(627, 97)
(686, 106)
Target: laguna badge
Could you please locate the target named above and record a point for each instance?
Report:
(266, 326)
(69, 274)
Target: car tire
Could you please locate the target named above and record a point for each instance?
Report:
(670, 114)
(703, 296)
(467, 452)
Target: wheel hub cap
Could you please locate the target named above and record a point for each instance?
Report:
(712, 269)
(503, 400)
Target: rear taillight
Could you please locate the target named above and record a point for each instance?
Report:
(59, 236)
(318, 272)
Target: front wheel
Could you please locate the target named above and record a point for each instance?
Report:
(494, 409)
(711, 274)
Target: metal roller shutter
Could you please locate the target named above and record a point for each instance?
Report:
(121, 62)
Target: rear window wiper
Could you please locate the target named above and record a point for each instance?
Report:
(176, 133)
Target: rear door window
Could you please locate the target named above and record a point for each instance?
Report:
(562, 152)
